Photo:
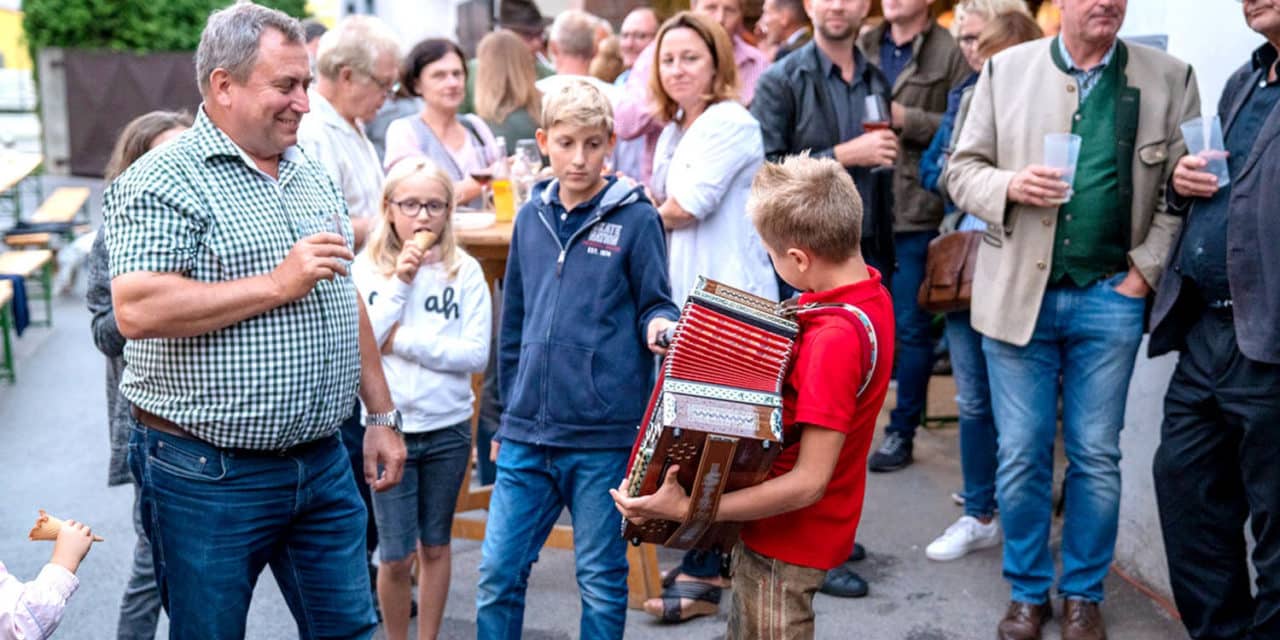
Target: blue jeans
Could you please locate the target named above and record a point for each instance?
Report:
(216, 518)
(914, 354)
(977, 424)
(534, 484)
(1088, 337)
(140, 606)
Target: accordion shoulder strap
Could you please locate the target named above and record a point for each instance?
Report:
(861, 316)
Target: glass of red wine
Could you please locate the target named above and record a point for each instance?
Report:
(483, 176)
(875, 117)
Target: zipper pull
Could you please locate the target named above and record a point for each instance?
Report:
(560, 263)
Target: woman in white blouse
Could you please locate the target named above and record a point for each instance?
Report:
(705, 160)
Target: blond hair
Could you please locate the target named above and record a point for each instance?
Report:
(724, 84)
(505, 78)
(807, 203)
(356, 42)
(1007, 30)
(987, 10)
(385, 244)
(579, 103)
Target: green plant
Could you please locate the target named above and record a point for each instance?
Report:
(138, 26)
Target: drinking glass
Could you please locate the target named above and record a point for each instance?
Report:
(1062, 151)
(527, 150)
(1204, 139)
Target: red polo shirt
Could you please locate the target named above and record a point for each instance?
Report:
(821, 392)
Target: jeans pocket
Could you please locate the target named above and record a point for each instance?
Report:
(186, 459)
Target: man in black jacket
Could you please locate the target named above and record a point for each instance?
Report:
(812, 100)
(1219, 304)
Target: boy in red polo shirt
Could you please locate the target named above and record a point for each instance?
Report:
(801, 521)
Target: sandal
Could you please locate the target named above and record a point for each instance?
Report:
(705, 597)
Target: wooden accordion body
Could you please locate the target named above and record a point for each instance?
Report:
(716, 411)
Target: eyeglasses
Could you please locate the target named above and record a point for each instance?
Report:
(414, 208)
(967, 41)
(390, 87)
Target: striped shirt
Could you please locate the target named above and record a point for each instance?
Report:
(1086, 79)
(199, 207)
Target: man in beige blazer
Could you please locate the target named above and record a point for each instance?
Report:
(1059, 290)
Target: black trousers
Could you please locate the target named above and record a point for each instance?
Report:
(1218, 464)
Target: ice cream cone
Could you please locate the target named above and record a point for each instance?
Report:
(47, 528)
(424, 239)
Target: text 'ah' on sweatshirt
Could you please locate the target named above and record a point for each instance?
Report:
(443, 337)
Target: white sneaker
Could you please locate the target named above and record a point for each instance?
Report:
(967, 534)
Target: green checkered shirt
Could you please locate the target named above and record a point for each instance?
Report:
(200, 208)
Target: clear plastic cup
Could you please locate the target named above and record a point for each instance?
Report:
(1062, 151)
(1204, 139)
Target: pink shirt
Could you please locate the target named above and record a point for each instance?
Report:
(31, 611)
(633, 116)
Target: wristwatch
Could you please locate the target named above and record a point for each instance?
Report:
(390, 420)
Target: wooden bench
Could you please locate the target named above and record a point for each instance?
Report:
(37, 267)
(6, 322)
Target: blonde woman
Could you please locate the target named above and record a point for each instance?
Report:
(430, 311)
(506, 97)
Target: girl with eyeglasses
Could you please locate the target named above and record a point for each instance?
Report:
(430, 310)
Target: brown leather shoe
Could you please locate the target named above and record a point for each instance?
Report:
(1082, 620)
(1023, 621)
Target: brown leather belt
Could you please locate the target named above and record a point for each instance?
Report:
(164, 425)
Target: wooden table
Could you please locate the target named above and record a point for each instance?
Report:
(14, 169)
(489, 246)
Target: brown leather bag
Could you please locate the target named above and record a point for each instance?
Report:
(948, 272)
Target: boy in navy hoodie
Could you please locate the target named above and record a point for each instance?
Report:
(585, 296)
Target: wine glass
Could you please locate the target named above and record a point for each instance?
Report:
(875, 114)
(527, 150)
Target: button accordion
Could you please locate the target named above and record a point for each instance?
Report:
(716, 409)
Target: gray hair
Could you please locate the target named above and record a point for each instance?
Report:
(231, 38)
(356, 42)
(574, 33)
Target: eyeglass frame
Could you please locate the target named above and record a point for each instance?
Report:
(390, 88)
(441, 205)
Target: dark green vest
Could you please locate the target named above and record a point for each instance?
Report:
(1092, 237)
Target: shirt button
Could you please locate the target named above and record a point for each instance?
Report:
(1071, 88)
(1046, 221)
(1079, 117)
(1068, 217)
(564, 216)
(1041, 265)
(1066, 242)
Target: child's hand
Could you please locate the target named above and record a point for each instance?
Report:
(408, 262)
(656, 328)
(669, 502)
(72, 545)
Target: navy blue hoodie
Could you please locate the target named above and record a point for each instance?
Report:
(573, 366)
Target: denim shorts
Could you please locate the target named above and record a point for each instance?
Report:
(421, 507)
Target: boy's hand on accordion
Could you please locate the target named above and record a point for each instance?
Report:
(669, 502)
(658, 337)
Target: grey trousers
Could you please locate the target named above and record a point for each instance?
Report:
(140, 607)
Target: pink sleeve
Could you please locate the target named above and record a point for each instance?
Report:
(633, 115)
(32, 611)
(402, 143)
(751, 65)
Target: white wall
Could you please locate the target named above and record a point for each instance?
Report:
(1212, 36)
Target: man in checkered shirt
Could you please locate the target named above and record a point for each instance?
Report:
(247, 342)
